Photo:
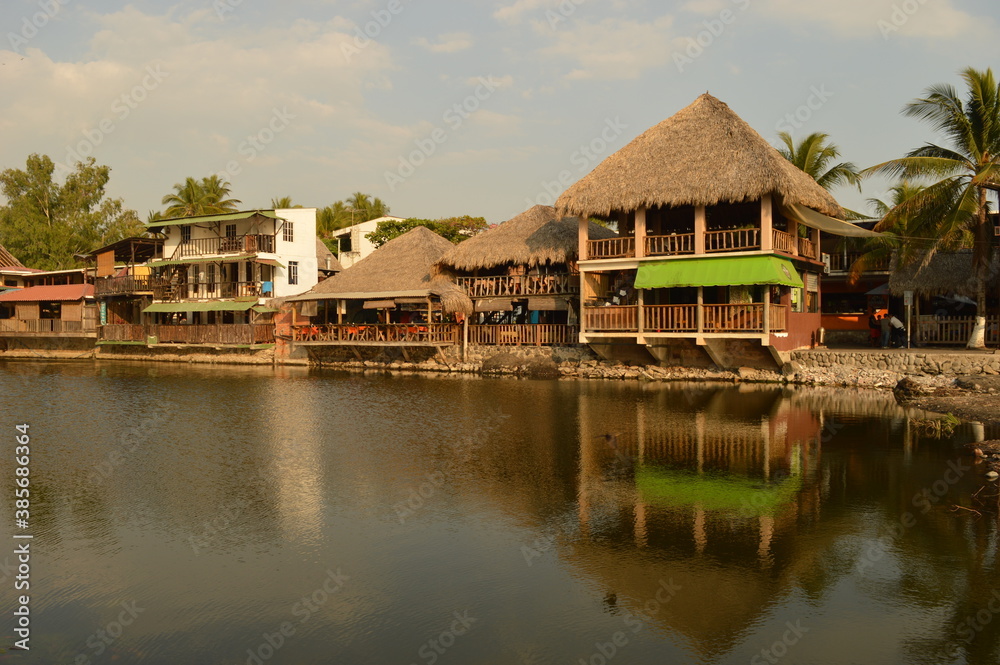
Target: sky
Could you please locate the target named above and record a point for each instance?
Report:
(450, 108)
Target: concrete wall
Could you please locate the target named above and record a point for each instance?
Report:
(302, 250)
(903, 362)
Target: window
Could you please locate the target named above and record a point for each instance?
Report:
(288, 234)
(293, 272)
(185, 234)
(210, 274)
(230, 230)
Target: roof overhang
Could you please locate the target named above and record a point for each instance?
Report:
(212, 219)
(213, 306)
(832, 225)
(363, 295)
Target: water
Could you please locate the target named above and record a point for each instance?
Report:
(226, 515)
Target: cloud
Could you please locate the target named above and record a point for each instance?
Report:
(451, 42)
(937, 19)
(613, 48)
(513, 14)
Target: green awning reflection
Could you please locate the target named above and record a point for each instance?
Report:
(749, 497)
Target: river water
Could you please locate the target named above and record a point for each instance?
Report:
(185, 514)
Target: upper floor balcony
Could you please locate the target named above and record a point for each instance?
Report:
(520, 285)
(714, 241)
(123, 285)
(840, 263)
(245, 244)
(167, 290)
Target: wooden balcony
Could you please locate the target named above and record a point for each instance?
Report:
(47, 328)
(248, 244)
(538, 334)
(684, 318)
(841, 263)
(733, 240)
(671, 245)
(520, 285)
(612, 318)
(611, 248)
(782, 242)
(391, 334)
(164, 289)
(670, 318)
(125, 285)
(808, 249)
(234, 334)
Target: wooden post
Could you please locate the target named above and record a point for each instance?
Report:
(465, 338)
(767, 310)
(640, 233)
(583, 231)
(640, 318)
(766, 224)
(341, 306)
(699, 229)
(701, 309)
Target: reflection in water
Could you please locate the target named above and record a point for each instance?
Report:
(700, 522)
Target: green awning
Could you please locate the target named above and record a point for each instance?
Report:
(206, 219)
(261, 309)
(213, 306)
(717, 271)
(231, 258)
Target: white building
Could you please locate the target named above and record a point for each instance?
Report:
(352, 243)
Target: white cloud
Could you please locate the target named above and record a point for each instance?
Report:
(614, 48)
(448, 43)
(512, 14)
(504, 81)
(932, 19)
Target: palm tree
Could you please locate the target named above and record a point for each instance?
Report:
(953, 210)
(205, 197)
(365, 207)
(878, 251)
(817, 157)
(284, 202)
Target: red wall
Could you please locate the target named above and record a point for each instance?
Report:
(803, 332)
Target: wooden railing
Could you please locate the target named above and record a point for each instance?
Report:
(163, 289)
(109, 286)
(46, 326)
(779, 318)
(670, 318)
(611, 318)
(724, 318)
(783, 242)
(839, 262)
(248, 244)
(435, 333)
(520, 285)
(952, 331)
(808, 249)
(226, 333)
(611, 248)
(732, 240)
(682, 243)
(536, 334)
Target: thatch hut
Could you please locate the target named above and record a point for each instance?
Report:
(947, 273)
(534, 239)
(703, 155)
(395, 278)
(326, 261)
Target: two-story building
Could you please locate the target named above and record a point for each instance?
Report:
(216, 272)
(717, 257)
(353, 243)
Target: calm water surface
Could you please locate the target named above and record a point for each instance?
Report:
(220, 515)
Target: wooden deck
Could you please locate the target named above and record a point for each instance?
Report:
(392, 334)
(537, 334)
(238, 334)
(733, 318)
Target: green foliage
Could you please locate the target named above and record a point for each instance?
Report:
(45, 223)
(207, 196)
(332, 245)
(817, 156)
(453, 229)
(357, 208)
(284, 203)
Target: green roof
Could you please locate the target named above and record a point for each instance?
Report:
(717, 271)
(202, 219)
(211, 306)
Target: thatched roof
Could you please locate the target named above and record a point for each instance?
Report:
(532, 238)
(945, 273)
(400, 267)
(324, 255)
(705, 154)
(8, 260)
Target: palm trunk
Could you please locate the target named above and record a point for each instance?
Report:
(981, 256)
(977, 340)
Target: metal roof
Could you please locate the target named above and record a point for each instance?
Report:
(211, 306)
(205, 219)
(57, 293)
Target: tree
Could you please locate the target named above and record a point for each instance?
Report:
(199, 197)
(817, 156)
(45, 224)
(878, 251)
(952, 211)
(283, 203)
(365, 207)
(453, 229)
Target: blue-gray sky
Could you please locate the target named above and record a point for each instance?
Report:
(450, 108)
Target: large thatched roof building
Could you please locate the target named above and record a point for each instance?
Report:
(533, 238)
(398, 269)
(944, 274)
(703, 155)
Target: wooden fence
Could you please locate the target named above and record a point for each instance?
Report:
(46, 326)
(520, 285)
(537, 334)
(681, 243)
(611, 248)
(684, 318)
(611, 318)
(382, 333)
(951, 331)
(109, 286)
(225, 334)
(732, 240)
(670, 318)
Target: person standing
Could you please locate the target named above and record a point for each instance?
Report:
(886, 327)
(873, 329)
(898, 331)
